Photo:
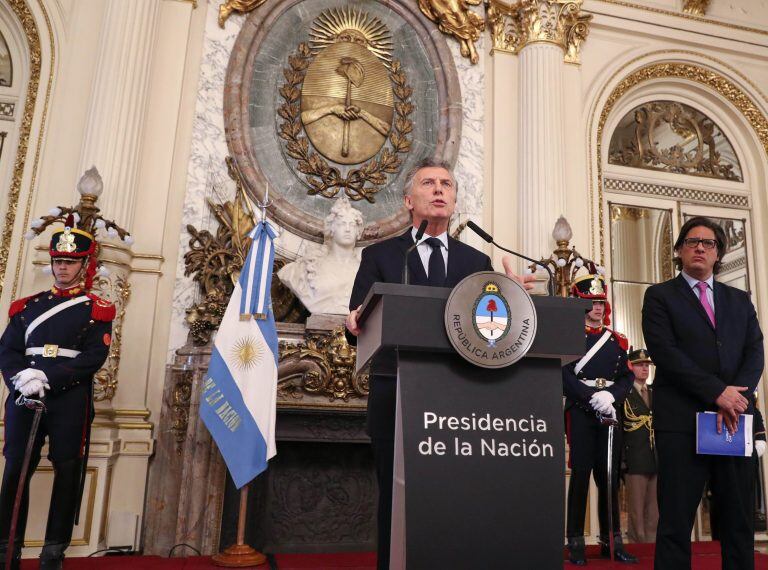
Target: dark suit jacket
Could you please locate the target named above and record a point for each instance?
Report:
(383, 263)
(694, 361)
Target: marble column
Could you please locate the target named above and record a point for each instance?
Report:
(118, 102)
(541, 180)
(113, 141)
(547, 35)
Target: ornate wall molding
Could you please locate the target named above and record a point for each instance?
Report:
(687, 16)
(688, 194)
(560, 22)
(705, 76)
(26, 18)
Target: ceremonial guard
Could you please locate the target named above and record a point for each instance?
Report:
(640, 453)
(595, 388)
(54, 343)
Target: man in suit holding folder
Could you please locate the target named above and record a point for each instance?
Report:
(707, 345)
(439, 260)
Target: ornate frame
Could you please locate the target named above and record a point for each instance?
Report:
(27, 19)
(705, 76)
(240, 68)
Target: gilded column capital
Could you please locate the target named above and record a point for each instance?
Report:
(559, 22)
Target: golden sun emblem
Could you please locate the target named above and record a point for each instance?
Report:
(246, 352)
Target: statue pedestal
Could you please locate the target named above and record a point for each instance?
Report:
(323, 456)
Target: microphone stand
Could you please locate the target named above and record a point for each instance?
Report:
(487, 237)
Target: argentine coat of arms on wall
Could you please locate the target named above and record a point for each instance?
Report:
(325, 99)
(346, 96)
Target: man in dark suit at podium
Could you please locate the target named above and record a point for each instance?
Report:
(707, 345)
(440, 261)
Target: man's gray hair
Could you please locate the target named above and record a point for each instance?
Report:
(410, 178)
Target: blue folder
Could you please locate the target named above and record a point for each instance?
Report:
(709, 442)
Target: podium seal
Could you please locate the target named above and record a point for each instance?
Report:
(490, 319)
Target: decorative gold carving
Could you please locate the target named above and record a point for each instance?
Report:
(180, 400)
(455, 18)
(512, 27)
(630, 213)
(27, 19)
(565, 262)
(696, 7)
(705, 76)
(650, 145)
(215, 262)
(348, 49)
(323, 364)
(243, 6)
(118, 290)
(341, 39)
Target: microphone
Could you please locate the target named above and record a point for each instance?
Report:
(489, 238)
(419, 235)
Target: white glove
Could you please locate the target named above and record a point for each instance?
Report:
(34, 386)
(760, 447)
(602, 401)
(26, 375)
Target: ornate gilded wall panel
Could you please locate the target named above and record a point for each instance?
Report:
(27, 20)
(676, 138)
(705, 76)
(326, 100)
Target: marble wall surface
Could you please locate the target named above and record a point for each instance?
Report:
(207, 176)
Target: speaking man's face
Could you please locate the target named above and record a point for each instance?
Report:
(433, 196)
(698, 260)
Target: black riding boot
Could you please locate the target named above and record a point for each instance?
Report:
(619, 554)
(61, 515)
(16, 560)
(576, 553)
(11, 475)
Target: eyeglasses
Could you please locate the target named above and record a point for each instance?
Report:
(694, 242)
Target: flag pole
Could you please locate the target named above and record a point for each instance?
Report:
(240, 555)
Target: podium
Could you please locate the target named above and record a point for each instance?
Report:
(479, 477)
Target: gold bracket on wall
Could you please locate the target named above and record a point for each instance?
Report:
(560, 22)
(241, 6)
(696, 7)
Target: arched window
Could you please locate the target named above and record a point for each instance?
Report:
(6, 64)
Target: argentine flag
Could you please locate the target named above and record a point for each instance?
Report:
(238, 404)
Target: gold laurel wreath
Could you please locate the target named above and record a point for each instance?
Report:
(322, 178)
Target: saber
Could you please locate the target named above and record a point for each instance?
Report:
(39, 407)
(611, 422)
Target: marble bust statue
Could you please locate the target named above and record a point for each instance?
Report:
(322, 279)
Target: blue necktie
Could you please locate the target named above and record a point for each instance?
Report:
(436, 269)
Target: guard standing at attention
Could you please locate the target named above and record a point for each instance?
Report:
(595, 387)
(53, 345)
(640, 452)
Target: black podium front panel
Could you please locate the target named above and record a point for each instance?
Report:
(484, 464)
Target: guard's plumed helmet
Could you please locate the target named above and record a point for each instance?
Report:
(71, 242)
(592, 286)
